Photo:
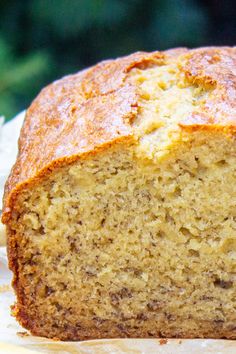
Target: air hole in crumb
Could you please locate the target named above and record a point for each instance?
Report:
(41, 230)
(177, 192)
(49, 290)
(142, 317)
(221, 163)
(223, 284)
(155, 305)
(185, 231)
(193, 253)
(58, 306)
(161, 234)
(73, 247)
(169, 218)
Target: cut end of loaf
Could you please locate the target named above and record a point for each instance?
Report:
(116, 246)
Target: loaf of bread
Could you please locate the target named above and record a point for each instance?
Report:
(121, 206)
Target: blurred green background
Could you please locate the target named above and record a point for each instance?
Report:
(42, 40)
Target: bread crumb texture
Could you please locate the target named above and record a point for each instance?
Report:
(138, 240)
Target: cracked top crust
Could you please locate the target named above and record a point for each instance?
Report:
(95, 108)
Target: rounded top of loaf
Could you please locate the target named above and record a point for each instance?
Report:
(90, 111)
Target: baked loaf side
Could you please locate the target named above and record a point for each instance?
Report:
(121, 206)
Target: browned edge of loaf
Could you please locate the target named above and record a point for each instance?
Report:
(85, 113)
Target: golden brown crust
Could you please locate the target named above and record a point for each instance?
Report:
(93, 109)
(214, 67)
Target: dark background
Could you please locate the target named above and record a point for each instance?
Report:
(41, 40)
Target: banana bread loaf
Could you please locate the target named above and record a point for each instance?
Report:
(121, 206)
